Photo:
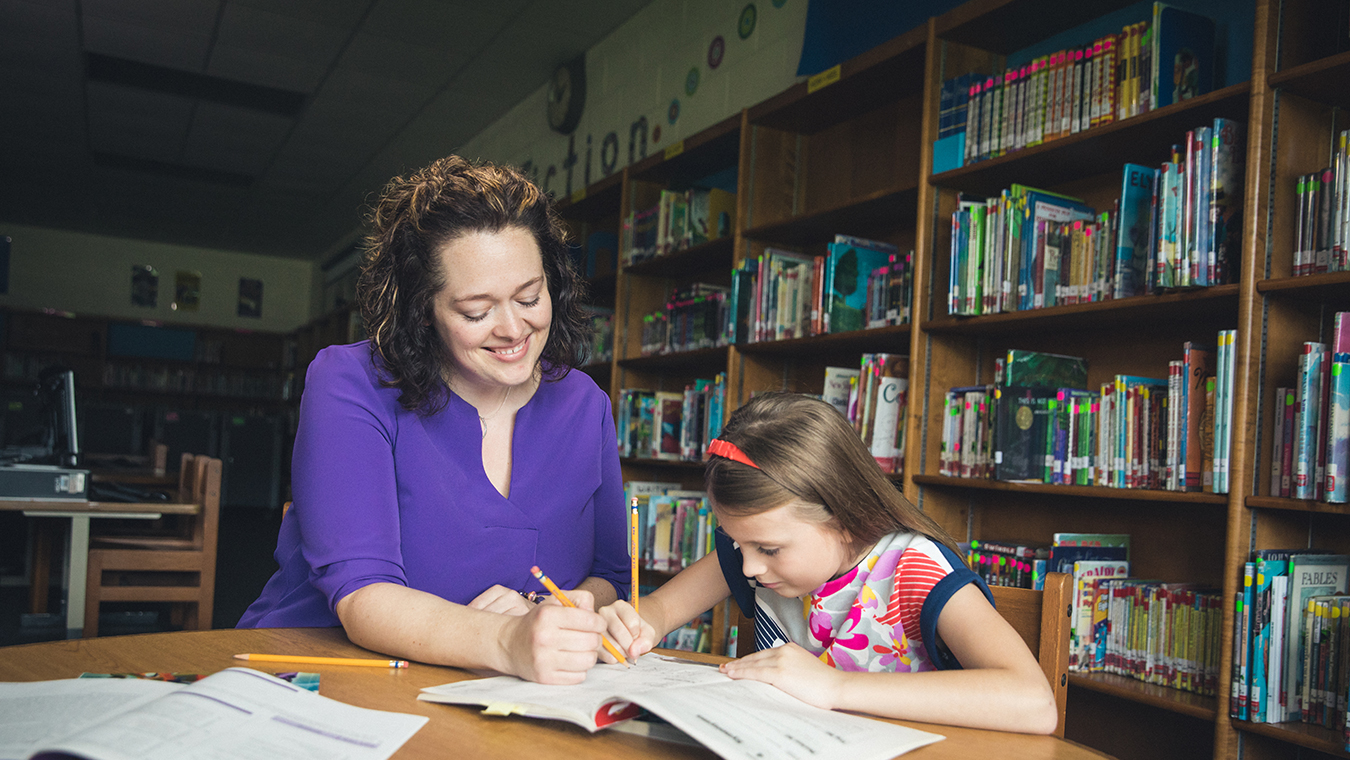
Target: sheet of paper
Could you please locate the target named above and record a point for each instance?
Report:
(578, 702)
(35, 714)
(240, 714)
(735, 719)
(745, 720)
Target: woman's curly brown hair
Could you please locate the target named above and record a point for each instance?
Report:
(401, 274)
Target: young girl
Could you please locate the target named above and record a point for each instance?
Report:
(860, 602)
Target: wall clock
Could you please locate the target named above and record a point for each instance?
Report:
(567, 95)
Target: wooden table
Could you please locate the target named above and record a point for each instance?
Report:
(453, 730)
(77, 552)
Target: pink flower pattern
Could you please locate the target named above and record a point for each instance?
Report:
(842, 617)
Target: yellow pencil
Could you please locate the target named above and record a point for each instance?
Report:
(358, 661)
(560, 596)
(633, 538)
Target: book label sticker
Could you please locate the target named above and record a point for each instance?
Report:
(823, 79)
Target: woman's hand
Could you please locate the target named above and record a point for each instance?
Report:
(501, 599)
(792, 669)
(633, 635)
(552, 644)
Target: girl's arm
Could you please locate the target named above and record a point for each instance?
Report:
(549, 643)
(1001, 687)
(696, 589)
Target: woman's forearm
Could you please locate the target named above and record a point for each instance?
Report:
(415, 625)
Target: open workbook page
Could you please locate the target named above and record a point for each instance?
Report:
(735, 719)
(235, 714)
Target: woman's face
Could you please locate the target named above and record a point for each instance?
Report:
(494, 312)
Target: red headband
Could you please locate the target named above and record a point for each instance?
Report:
(729, 450)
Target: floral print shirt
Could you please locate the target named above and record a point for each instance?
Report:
(881, 616)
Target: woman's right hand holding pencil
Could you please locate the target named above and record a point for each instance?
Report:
(628, 630)
(553, 644)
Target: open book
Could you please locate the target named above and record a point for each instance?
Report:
(735, 719)
(236, 713)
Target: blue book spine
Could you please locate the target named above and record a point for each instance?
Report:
(1245, 637)
(1132, 244)
(1338, 434)
(1309, 412)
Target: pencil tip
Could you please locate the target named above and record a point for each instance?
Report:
(241, 657)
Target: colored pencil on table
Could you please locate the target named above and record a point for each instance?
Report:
(561, 597)
(358, 661)
(633, 538)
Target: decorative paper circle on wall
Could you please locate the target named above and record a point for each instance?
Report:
(779, 3)
(691, 81)
(716, 49)
(746, 27)
(673, 113)
(656, 134)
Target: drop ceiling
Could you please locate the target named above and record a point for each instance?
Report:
(256, 125)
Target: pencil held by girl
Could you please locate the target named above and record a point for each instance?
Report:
(860, 600)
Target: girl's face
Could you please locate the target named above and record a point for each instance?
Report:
(788, 554)
(494, 312)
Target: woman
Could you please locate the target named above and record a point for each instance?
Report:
(437, 462)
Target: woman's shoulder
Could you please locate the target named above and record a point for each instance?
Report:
(576, 387)
(348, 371)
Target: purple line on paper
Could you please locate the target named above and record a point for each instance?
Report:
(185, 693)
(322, 732)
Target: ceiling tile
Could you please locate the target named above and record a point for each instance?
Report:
(38, 32)
(266, 69)
(180, 50)
(205, 154)
(436, 25)
(253, 29)
(592, 18)
(344, 14)
(131, 122)
(178, 16)
(406, 62)
(238, 127)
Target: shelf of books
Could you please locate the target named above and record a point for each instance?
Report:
(830, 169)
(1088, 261)
(1078, 334)
(1290, 648)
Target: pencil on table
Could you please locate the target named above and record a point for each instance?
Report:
(358, 661)
(561, 597)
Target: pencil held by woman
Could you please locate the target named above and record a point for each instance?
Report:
(561, 597)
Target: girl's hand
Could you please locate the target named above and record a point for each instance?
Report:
(502, 600)
(629, 632)
(552, 644)
(792, 669)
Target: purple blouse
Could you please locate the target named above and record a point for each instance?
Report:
(384, 495)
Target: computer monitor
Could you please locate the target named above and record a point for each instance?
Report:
(56, 392)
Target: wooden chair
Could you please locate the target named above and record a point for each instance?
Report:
(1041, 618)
(178, 566)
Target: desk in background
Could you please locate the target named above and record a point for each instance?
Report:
(77, 558)
(453, 729)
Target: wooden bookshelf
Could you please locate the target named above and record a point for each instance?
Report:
(1154, 695)
(849, 153)
(1136, 336)
(1139, 139)
(1074, 492)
